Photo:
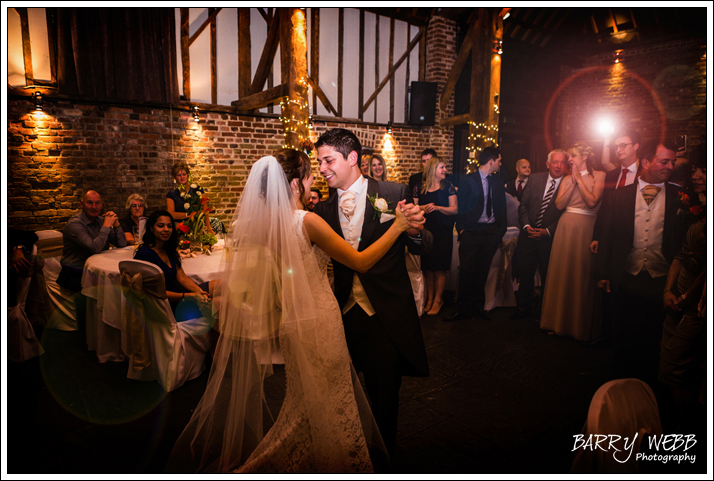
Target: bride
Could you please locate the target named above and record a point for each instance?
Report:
(276, 304)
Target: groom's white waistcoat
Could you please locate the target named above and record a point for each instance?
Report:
(352, 231)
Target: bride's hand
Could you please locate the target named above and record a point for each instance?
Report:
(401, 220)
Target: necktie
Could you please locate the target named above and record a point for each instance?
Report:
(623, 178)
(347, 203)
(649, 192)
(488, 199)
(544, 204)
(520, 187)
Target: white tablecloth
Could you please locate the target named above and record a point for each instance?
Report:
(101, 285)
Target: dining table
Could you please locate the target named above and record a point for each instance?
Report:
(101, 286)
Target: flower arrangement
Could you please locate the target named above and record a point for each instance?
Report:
(196, 204)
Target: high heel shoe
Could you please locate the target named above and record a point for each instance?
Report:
(434, 311)
(427, 306)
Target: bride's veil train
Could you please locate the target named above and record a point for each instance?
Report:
(264, 297)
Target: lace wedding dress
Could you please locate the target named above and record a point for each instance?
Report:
(298, 442)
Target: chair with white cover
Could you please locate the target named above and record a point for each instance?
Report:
(22, 343)
(158, 347)
(50, 302)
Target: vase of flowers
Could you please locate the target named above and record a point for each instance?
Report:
(193, 227)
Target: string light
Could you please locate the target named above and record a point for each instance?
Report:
(481, 134)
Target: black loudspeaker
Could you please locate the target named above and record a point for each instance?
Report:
(422, 108)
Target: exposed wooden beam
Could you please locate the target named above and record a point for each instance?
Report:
(394, 68)
(422, 54)
(267, 57)
(340, 58)
(260, 99)
(214, 66)
(51, 19)
(26, 46)
(321, 95)
(455, 120)
(391, 66)
(315, 53)
(458, 67)
(360, 92)
(244, 52)
(376, 67)
(406, 16)
(209, 21)
(293, 30)
(185, 57)
(265, 16)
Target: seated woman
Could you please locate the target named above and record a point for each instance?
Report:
(135, 208)
(378, 168)
(175, 203)
(365, 164)
(159, 247)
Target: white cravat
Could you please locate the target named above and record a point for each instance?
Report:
(351, 224)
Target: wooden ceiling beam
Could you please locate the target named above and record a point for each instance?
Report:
(260, 99)
(267, 57)
(458, 66)
(418, 20)
(203, 26)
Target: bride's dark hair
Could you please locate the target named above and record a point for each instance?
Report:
(295, 164)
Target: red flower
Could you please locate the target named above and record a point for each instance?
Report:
(695, 209)
(183, 228)
(684, 198)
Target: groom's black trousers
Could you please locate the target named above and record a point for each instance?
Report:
(374, 354)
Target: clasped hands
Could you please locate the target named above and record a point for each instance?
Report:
(536, 233)
(413, 215)
(111, 219)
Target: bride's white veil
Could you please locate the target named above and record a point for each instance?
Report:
(264, 294)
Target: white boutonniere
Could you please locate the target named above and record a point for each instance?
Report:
(381, 206)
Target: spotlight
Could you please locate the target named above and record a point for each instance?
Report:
(389, 127)
(37, 96)
(618, 56)
(605, 126)
(508, 14)
(196, 117)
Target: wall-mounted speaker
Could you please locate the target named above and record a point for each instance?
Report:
(422, 107)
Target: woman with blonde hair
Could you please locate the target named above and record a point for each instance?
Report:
(437, 198)
(378, 168)
(174, 198)
(569, 298)
(136, 207)
(365, 164)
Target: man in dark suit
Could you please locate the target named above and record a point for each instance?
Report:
(414, 179)
(516, 186)
(539, 218)
(378, 309)
(481, 224)
(640, 236)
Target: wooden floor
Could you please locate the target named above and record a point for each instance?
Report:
(503, 397)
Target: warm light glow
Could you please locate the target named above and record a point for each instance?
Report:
(605, 126)
(508, 14)
(196, 117)
(388, 143)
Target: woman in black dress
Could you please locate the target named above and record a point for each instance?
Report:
(159, 246)
(136, 208)
(175, 202)
(437, 198)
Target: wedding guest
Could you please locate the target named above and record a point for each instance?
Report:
(481, 225)
(414, 179)
(87, 233)
(683, 353)
(175, 202)
(159, 246)
(365, 164)
(641, 234)
(539, 217)
(516, 186)
(437, 198)
(569, 300)
(135, 208)
(315, 198)
(19, 243)
(378, 168)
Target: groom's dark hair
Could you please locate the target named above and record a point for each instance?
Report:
(342, 140)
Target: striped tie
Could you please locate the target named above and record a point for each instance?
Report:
(544, 204)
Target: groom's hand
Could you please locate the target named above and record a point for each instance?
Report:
(415, 218)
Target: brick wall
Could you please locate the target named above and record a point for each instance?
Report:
(74, 146)
(675, 71)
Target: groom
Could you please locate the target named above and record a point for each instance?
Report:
(378, 310)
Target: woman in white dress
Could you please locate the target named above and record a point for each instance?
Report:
(276, 304)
